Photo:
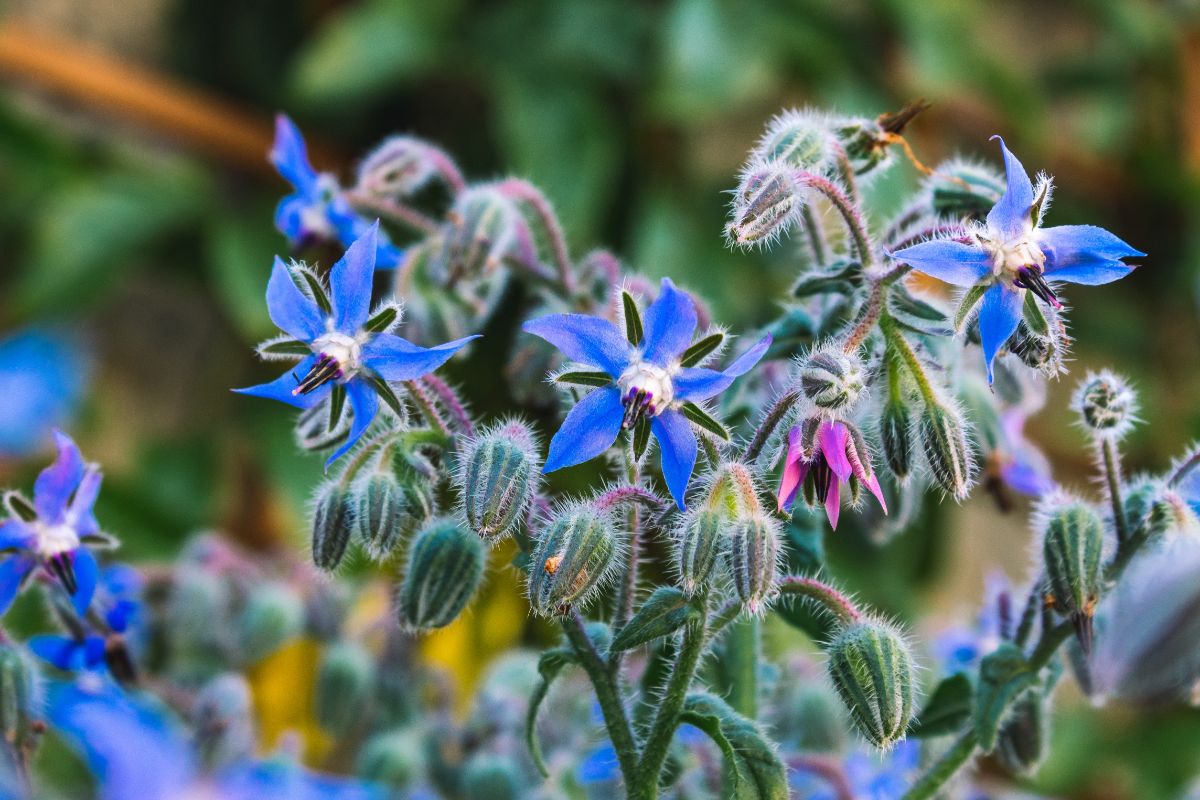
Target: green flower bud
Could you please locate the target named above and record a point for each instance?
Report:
(813, 721)
(483, 230)
(1024, 737)
(399, 167)
(831, 379)
(572, 558)
(700, 539)
(799, 139)
(272, 616)
(491, 777)
(394, 759)
(445, 569)
(1105, 404)
(223, 718)
(314, 432)
(895, 434)
(20, 694)
(867, 142)
(765, 204)
(754, 560)
(332, 523)
(961, 189)
(943, 436)
(1042, 350)
(345, 679)
(871, 667)
(498, 479)
(198, 624)
(390, 506)
(1072, 547)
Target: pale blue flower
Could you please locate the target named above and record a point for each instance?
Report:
(42, 378)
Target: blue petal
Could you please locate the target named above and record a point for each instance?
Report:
(1011, 216)
(589, 430)
(397, 359)
(87, 575)
(290, 156)
(677, 444)
(1094, 273)
(82, 518)
(999, 314)
(693, 383)
(281, 388)
(66, 653)
(364, 403)
(953, 262)
(289, 217)
(12, 572)
(601, 766)
(350, 282)
(1066, 244)
(56, 482)
(350, 225)
(294, 312)
(15, 535)
(591, 341)
(668, 325)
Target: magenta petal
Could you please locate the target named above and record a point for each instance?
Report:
(833, 504)
(872, 483)
(833, 438)
(794, 474)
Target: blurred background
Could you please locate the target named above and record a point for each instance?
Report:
(136, 228)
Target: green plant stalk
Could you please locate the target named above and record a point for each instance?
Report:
(900, 345)
(743, 646)
(1112, 480)
(616, 721)
(770, 422)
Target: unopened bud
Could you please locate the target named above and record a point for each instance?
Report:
(488, 776)
(1041, 350)
(944, 440)
(895, 435)
(315, 431)
(399, 167)
(20, 693)
(754, 560)
(272, 616)
(223, 718)
(393, 760)
(814, 721)
(871, 667)
(483, 230)
(197, 623)
(1072, 547)
(799, 139)
(765, 204)
(831, 379)
(1105, 404)
(445, 569)
(962, 189)
(1022, 741)
(572, 558)
(345, 679)
(332, 524)
(700, 540)
(498, 479)
(390, 505)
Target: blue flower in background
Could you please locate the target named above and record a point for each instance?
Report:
(118, 601)
(42, 377)
(345, 351)
(61, 522)
(960, 649)
(648, 382)
(317, 210)
(1013, 253)
(861, 775)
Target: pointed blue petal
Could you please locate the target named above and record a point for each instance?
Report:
(1011, 216)
(677, 446)
(999, 314)
(289, 217)
(87, 575)
(13, 570)
(350, 225)
(591, 341)
(82, 518)
(350, 282)
(589, 430)
(56, 482)
(397, 359)
(1093, 273)
(363, 403)
(15, 535)
(668, 325)
(290, 156)
(281, 388)
(697, 383)
(53, 649)
(1084, 254)
(294, 312)
(953, 262)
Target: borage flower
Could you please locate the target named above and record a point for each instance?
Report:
(51, 534)
(317, 210)
(342, 348)
(95, 645)
(1013, 254)
(646, 381)
(823, 454)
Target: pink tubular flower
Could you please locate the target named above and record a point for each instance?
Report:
(831, 454)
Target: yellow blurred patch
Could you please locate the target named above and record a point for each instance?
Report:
(283, 685)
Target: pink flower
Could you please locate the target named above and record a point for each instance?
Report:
(831, 455)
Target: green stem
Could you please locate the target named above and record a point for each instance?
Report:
(743, 646)
(944, 768)
(616, 721)
(770, 421)
(1112, 479)
(896, 340)
(428, 410)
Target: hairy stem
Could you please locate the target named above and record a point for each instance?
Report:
(1112, 481)
(896, 341)
(830, 598)
(426, 406)
(394, 211)
(944, 768)
(848, 209)
(743, 647)
(526, 192)
(769, 423)
(616, 721)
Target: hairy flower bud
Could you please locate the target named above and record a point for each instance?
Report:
(1042, 350)
(223, 719)
(390, 506)
(959, 189)
(895, 434)
(947, 452)
(1023, 739)
(765, 204)
(488, 776)
(483, 230)
(20, 693)
(799, 139)
(345, 679)
(393, 759)
(445, 569)
(498, 479)
(573, 556)
(332, 524)
(315, 432)
(700, 539)
(1072, 545)
(754, 560)
(1105, 404)
(272, 616)
(399, 167)
(831, 379)
(871, 667)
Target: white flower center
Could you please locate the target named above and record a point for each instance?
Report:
(314, 218)
(646, 390)
(53, 540)
(345, 350)
(1012, 256)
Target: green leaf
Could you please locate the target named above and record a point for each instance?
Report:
(699, 416)
(664, 612)
(696, 353)
(759, 774)
(947, 710)
(1035, 318)
(549, 665)
(383, 319)
(633, 320)
(309, 281)
(970, 299)
(841, 277)
(641, 437)
(584, 378)
(905, 303)
(1002, 676)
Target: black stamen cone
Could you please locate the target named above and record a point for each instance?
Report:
(1031, 278)
(325, 370)
(62, 569)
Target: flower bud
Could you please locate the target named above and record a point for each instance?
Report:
(445, 569)
(393, 760)
(765, 204)
(1043, 351)
(812, 720)
(573, 556)
(1105, 404)
(222, 717)
(1072, 545)
(799, 139)
(498, 479)
(345, 679)
(831, 379)
(895, 434)
(862, 141)
(482, 231)
(197, 624)
(20, 693)
(390, 506)
(959, 189)
(871, 667)
(947, 452)
(272, 616)
(753, 559)
(1022, 741)
(313, 431)
(700, 539)
(491, 777)
(399, 167)
(332, 523)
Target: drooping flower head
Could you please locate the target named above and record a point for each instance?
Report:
(317, 210)
(646, 381)
(825, 453)
(52, 533)
(341, 347)
(1013, 254)
(118, 603)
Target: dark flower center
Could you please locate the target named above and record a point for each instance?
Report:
(1031, 278)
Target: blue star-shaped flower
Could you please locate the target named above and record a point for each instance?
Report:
(647, 382)
(118, 601)
(344, 351)
(1012, 253)
(63, 496)
(317, 210)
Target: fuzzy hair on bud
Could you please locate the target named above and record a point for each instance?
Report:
(1106, 404)
(484, 228)
(1024, 738)
(332, 524)
(831, 379)
(766, 204)
(1072, 551)
(799, 139)
(700, 540)
(754, 560)
(399, 167)
(444, 571)
(498, 477)
(572, 559)
(390, 505)
(896, 438)
(943, 434)
(871, 667)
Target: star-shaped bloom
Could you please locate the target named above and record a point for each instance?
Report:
(826, 452)
(54, 539)
(118, 602)
(317, 210)
(1013, 254)
(339, 344)
(647, 381)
